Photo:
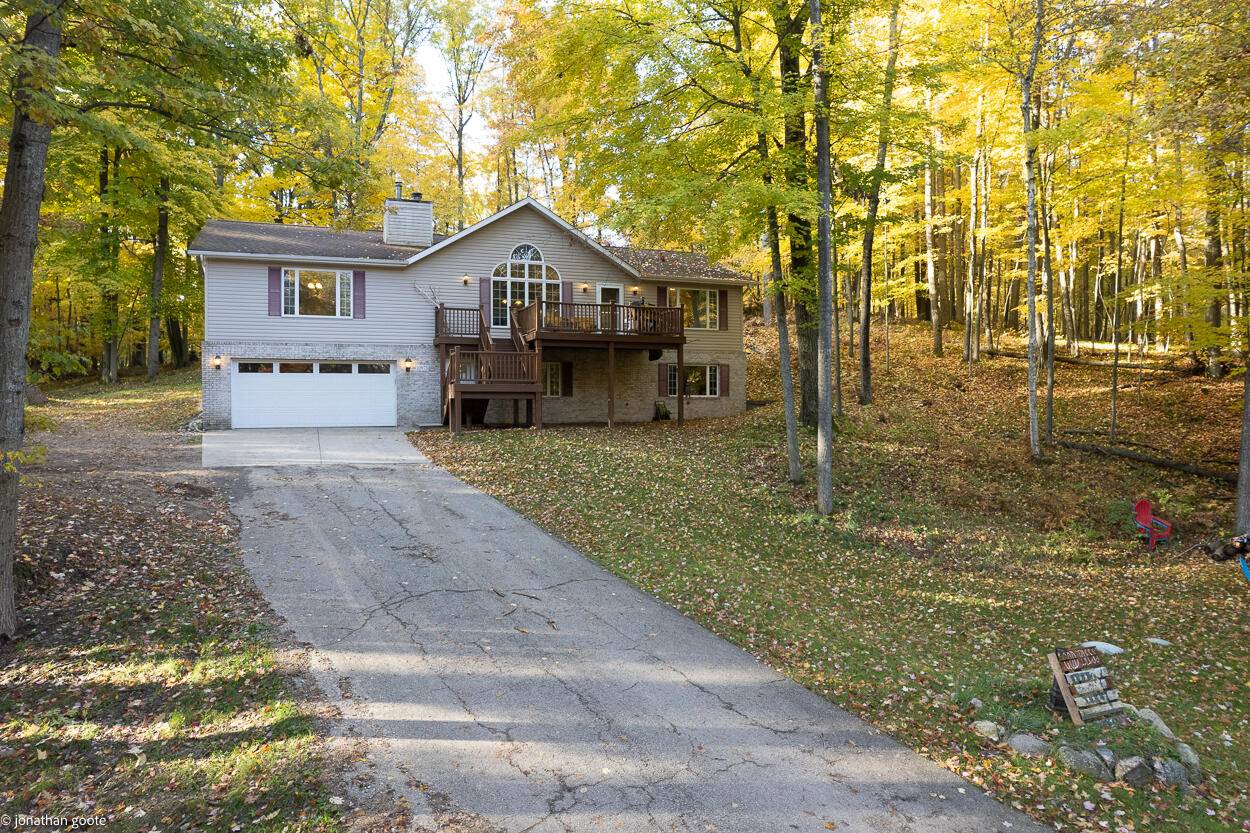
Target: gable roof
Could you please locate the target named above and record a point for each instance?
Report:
(298, 242)
(665, 264)
(239, 239)
(529, 202)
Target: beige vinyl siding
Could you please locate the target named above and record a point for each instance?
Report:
(478, 254)
(730, 339)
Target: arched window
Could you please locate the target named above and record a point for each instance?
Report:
(521, 279)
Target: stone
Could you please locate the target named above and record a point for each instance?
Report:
(1133, 771)
(1171, 772)
(1084, 761)
(1151, 717)
(1108, 757)
(7, 752)
(1028, 745)
(1129, 708)
(988, 729)
(1158, 640)
(1189, 759)
(976, 703)
(1103, 647)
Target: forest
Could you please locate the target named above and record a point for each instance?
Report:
(1083, 161)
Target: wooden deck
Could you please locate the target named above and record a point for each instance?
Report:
(511, 368)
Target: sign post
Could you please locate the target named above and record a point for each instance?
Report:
(1083, 684)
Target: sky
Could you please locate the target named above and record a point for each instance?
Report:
(436, 81)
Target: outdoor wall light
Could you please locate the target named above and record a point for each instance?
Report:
(585, 287)
(216, 362)
(407, 363)
(633, 290)
(465, 279)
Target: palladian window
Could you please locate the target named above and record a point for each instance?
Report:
(522, 279)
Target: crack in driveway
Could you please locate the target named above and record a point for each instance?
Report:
(614, 713)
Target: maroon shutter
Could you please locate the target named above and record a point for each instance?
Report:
(358, 293)
(566, 292)
(661, 296)
(722, 305)
(722, 379)
(483, 296)
(566, 378)
(275, 290)
(663, 387)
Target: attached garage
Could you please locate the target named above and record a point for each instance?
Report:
(311, 394)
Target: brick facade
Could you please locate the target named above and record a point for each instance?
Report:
(417, 391)
(637, 387)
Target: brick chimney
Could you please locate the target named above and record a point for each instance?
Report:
(408, 221)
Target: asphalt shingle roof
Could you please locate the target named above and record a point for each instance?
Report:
(668, 264)
(282, 239)
(237, 236)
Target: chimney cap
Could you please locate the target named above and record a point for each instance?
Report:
(399, 188)
(416, 195)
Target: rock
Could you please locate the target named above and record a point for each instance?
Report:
(1154, 720)
(1171, 772)
(988, 729)
(1028, 745)
(34, 396)
(1133, 771)
(1189, 759)
(976, 703)
(1158, 640)
(7, 752)
(1084, 761)
(1129, 708)
(1103, 647)
(1108, 757)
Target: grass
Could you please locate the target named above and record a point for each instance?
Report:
(951, 565)
(148, 685)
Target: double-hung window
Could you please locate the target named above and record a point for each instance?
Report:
(701, 380)
(551, 379)
(318, 292)
(522, 279)
(700, 308)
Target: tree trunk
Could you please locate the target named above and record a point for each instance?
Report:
(1030, 164)
(19, 232)
(773, 231)
(824, 275)
(874, 203)
(158, 277)
(930, 262)
(789, 48)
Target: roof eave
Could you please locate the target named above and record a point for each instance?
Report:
(344, 261)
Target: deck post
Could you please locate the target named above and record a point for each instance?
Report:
(455, 414)
(538, 411)
(611, 383)
(681, 386)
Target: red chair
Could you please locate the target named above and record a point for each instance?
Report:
(1148, 526)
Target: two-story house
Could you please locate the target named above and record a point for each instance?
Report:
(519, 318)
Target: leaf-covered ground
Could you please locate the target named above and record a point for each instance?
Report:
(146, 686)
(951, 565)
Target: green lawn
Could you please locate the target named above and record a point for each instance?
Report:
(148, 684)
(951, 565)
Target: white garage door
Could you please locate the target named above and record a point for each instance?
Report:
(298, 394)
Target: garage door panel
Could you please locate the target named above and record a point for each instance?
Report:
(311, 400)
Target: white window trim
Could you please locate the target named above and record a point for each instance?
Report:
(713, 300)
(542, 282)
(559, 379)
(338, 293)
(672, 371)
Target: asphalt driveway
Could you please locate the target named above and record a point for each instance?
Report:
(503, 682)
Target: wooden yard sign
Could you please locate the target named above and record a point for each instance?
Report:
(1083, 684)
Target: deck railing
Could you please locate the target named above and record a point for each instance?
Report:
(599, 319)
(457, 322)
(492, 367)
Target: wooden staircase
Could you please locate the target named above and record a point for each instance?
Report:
(497, 369)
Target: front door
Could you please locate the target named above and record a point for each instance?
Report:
(610, 294)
